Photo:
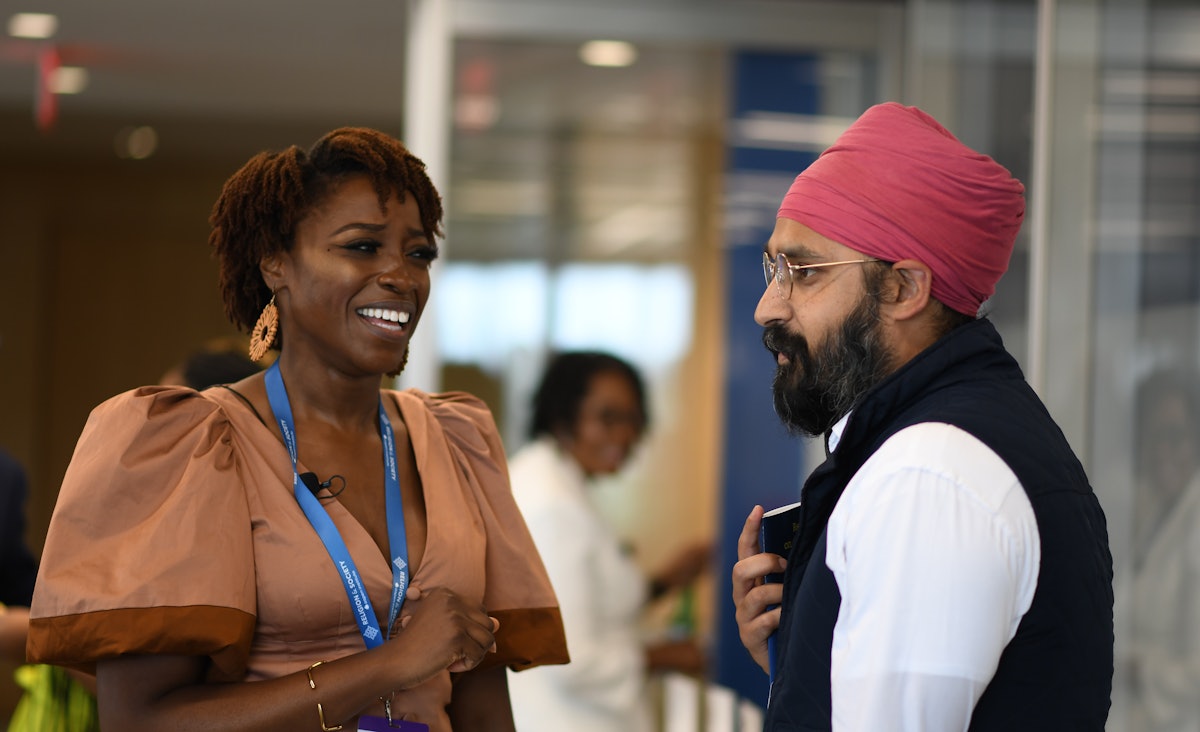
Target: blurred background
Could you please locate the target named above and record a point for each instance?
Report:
(611, 171)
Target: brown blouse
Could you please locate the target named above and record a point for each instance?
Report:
(176, 532)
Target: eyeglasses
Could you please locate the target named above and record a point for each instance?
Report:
(612, 418)
(784, 273)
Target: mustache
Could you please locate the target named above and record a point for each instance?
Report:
(777, 339)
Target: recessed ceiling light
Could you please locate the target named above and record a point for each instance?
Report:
(608, 53)
(68, 80)
(137, 143)
(32, 25)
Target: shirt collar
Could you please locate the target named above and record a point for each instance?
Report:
(835, 433)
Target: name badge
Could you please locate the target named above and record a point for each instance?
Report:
(380, 724)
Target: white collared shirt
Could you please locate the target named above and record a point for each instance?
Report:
(936, 552)
(600, 592)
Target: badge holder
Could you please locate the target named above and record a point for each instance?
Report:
(382, 724)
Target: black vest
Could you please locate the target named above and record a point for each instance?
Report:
(1056, 673)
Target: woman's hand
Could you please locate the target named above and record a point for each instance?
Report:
(756, 603)
(440, 631)
(688, 564)
(685, 656)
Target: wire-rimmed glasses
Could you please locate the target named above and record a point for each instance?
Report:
(775, 269)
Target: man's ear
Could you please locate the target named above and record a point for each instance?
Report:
(914, 280)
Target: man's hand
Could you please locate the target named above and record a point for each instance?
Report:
(751, 597)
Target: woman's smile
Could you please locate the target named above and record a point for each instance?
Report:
(391, 321)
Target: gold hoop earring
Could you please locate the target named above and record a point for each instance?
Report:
(262, 336)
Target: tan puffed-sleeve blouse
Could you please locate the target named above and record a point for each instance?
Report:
(176, 532)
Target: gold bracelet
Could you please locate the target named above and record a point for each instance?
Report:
(320, 709)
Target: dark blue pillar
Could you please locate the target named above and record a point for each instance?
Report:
(763, 464)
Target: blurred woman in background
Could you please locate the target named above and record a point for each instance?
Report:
(1163, 645)
(589, 412)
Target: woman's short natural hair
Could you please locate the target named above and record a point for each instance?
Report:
(261, 204)
(565, 383)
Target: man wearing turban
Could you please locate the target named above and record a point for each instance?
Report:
(951, 570)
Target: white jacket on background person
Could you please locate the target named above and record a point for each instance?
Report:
(1164, 609)
(601, 593)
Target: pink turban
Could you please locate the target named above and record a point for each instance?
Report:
(897, 185)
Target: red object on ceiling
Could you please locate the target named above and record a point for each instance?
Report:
(46, 102)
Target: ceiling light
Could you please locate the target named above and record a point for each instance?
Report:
(32, 25)
(476, 112)
(137, 143)
(68, 80)
(608, 53)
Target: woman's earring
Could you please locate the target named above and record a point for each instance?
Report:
(262, 337)
(403, 363)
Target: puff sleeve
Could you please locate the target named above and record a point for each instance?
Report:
(150, 548)
(516, 588)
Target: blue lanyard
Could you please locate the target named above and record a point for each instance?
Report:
(360, 603)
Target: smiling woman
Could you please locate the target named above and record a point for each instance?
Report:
(198, 560)
(589, 412)
(358, 273)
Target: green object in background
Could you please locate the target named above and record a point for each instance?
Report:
(683, 619)
(52, 702)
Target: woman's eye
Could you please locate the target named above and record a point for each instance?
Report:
(363, 245)
(425, 253)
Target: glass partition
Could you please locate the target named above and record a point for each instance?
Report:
(1113, 341)
(1146, 428)
(580, 216)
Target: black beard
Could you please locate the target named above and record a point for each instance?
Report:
(815, 389)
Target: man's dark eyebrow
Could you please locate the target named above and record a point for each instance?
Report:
(798, 252)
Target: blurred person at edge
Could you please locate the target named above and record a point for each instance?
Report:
(18, 567)
(52, 699)
(239, 558)
(1163, 598)
(215, 364)
(952, 569)
(589, 412)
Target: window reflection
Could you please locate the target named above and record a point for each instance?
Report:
(639, 311)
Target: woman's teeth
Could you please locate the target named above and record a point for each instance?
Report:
(394, 316)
